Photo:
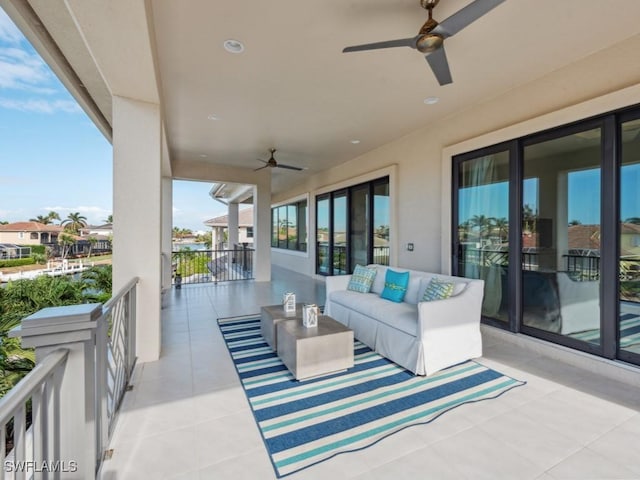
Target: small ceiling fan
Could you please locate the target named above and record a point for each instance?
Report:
(430, 39)
(273, 164)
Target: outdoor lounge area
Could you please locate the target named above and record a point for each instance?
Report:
(187, 415)
(513, 161)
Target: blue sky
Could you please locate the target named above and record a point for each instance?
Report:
(52, 157)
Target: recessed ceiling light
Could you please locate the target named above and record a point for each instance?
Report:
(233, 46)
(202, 155)
(213, 116)
(431, 100)
(355, 142)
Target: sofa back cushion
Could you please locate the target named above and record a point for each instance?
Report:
(395, 285)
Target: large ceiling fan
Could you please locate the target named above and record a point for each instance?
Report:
(273, 164)
(430, 39)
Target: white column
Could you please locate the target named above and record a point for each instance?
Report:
(137, 211)
(233, 225)
(262, 232)
(167, 226)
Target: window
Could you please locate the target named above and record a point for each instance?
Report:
(20, 235)
(249, 232)
(33, 235)
(289, 226)
(352, 227)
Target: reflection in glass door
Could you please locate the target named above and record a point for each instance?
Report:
(629, 264)
(381, 209)
(483, 228)
(561, 235)
(359, 226)
(322, 235)
(340, 233)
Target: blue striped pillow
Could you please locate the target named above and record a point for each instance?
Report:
(437, 290)
(361, 279)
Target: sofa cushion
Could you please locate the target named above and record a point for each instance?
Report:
(395, 285)
(402, 316)
(437, 290)
(361, 279)
(365, 303)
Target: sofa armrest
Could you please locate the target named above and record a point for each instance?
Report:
(332, 284)
(336, 282)
(449, 330)
(463, 309)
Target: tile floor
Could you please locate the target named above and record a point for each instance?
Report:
(187, 416)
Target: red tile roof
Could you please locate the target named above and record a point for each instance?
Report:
(30, 227)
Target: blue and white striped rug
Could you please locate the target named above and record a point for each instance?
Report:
(303, 423)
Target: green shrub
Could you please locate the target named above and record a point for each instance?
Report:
(17, 262)
(36, 249)
(39, 258)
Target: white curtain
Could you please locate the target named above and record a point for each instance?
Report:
(480, 176)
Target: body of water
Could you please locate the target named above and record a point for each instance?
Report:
(189, 246)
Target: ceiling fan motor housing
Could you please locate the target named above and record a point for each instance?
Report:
(429, 43)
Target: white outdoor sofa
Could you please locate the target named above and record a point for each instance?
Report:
(423, 337)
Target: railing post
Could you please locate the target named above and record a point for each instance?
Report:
(74, 328)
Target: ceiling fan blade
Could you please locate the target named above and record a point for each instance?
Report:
(438, 62)
(260, 168)
(280, 165)
(402, 42)
(465, 16)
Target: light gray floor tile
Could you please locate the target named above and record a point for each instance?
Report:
(190, 406)
(587, 464)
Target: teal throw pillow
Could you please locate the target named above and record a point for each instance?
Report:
(361, 279)
(395, 285)
(437, 290)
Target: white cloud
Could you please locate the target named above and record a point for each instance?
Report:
(8, 31)
(40, 106)
(23, 70)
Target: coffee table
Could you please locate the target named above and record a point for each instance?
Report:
(315, 351)
(270, 316)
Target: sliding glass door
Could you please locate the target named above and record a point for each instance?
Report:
(551, 223)
(628, 326)
(561, 234)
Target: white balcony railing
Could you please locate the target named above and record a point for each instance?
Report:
(85, 356)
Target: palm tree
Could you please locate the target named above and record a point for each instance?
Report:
(502, 226)
(74, 222)
(98, 283)
(573, 223)
(4, 222)
(65, 240)
(481, 222)
(634, 220)
(44, 219)
(109, 219)
(529, 218)
(53, 216)
(92, 243)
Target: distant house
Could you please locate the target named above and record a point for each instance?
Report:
(29, 233)
(97, 230)
(221, 223)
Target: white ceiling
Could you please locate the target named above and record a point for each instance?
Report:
(293, 89)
